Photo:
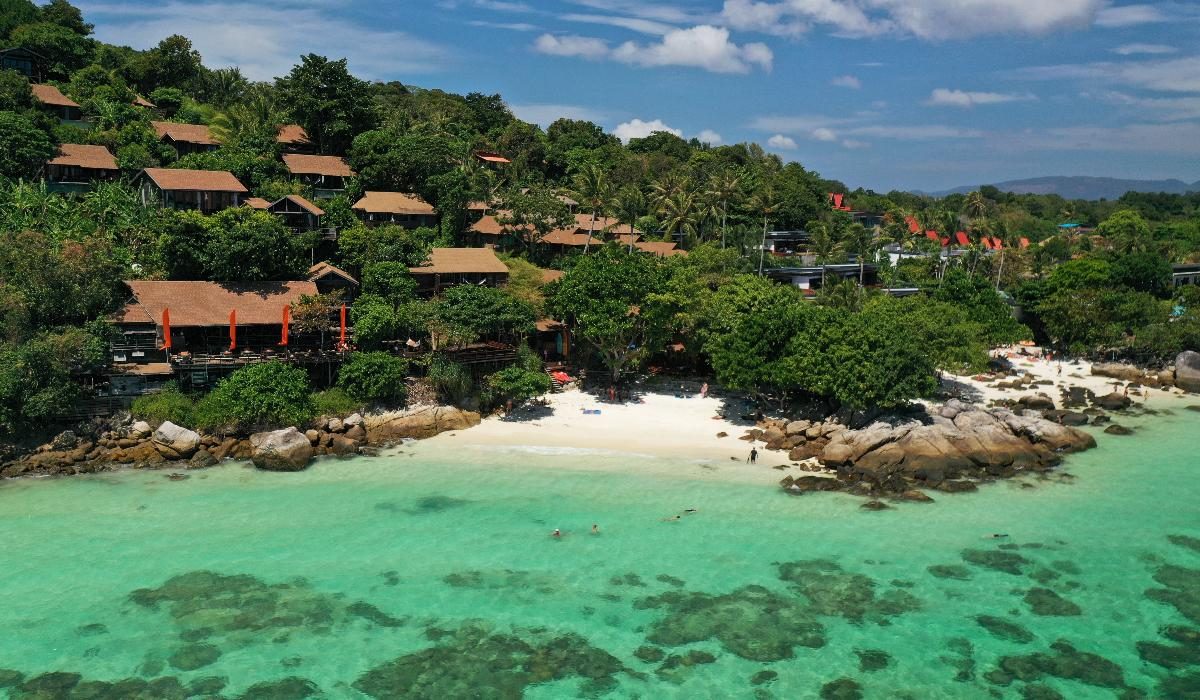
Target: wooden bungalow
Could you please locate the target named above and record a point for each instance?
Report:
(256, 203)
(297, 213)
(198, 314)
(292, 138)
(205, 190)
(448, 267)
(77, 167)
(28, 63)
(330, 278)
(63, 107)
(327, 175)
(186, 138)
(399, 208)
(139, 101)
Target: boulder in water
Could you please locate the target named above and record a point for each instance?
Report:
(284, 450)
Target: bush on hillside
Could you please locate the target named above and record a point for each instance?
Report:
(335, 402)
(170, 404)
(269, 395)
(516, 384)
(375, 377)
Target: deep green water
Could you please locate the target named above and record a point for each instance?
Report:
(432, 575)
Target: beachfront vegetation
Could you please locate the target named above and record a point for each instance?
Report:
(1088, 277)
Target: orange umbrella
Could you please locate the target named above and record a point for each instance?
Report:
(287, 317)
(233, 330)
(342, 338)
(166, 323)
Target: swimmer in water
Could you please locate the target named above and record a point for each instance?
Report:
(595, 529)
(996, 536)
(673, 518)
(557, 533)
(689, 511)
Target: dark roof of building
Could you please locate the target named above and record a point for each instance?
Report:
(333, 166)
(194, 180)
(392, 203)
(85, 156)
(209, 303)
(198, 134)
(449, 261)
(300, 202)
(52, 96)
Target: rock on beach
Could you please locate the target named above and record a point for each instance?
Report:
(286, 450)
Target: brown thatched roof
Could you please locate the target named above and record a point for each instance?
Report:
(448, 261)
(194, 180)
(209, 303)
(85, 156)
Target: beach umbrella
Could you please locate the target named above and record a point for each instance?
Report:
(166, 324)
(287, 317)
(233, 330)
(342, 337)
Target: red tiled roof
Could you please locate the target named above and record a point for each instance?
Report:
(84, 156)
(333, 166)
(209, 303)
(185, 133)
(293, 134)
(392, 203)
(52, 96)
(194, 180)
(449, 261)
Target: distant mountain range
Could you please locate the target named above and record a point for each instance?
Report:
(1080, 187)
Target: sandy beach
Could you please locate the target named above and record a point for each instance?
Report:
(1061, 375)
(658, 432)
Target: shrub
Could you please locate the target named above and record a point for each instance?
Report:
(451, 380)
(335, 402)
(170, 404)
(516, 384)
(268, 395)
(375, 376)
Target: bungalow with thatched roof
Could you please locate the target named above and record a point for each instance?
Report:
(292, 138)
(205, 190)
(329, 278)
(448, 267)
(78, 166)
(399, 208)
(52, 99)
(297, 213)
(186, 138)
(327, 175)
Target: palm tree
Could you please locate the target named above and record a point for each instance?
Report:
(976, 206)
(680, 214)
(226, 86)
(725, 188)
(630, 204)
(825, 245)
(766, 203)
(1003, 232)
(862, 243)
(592, 189)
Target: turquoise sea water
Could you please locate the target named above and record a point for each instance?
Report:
(431, 574)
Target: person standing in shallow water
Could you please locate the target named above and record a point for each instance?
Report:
(753, 455)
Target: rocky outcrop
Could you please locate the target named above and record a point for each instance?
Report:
(1187, 371)
(284, 450)
(945, 449)
(175, 442)
(1118, 370)
(418, 423)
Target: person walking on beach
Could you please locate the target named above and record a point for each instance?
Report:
(753, 455)
(704, 391)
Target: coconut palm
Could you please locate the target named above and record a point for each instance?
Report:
(976, 206)
(765, 203)
(680, 214)
(592, 189)
(226, 86)
(826, 246)
(725, 188)
(630, 203)
(862, 243)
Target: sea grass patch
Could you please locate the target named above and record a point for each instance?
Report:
(752, 622)
(1045, 602)
(1181, 590)
(506, 664)
(291, 688)
(1185, 541)
(997, 560)
(1062, 661)
(871, 660)
(832, 591)
(842, 689)
(1004, 629)
(961, 658)
(950, 571)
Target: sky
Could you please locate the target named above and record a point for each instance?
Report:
(884, 94)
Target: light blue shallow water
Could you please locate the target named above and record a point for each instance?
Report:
(448, 554)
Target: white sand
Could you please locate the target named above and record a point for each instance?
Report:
(683, 430)
(1073, 373)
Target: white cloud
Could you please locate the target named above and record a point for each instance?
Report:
(511, 26)
(703, 46)
(635, 24)
(855, 145)
(1129, 15)
(846, 81)
(1172, 75)
(547, 114)
(786, 143)
(1133, 49)
(923, 132)
(926, 19)
(1179, 138)
(638, 129)
(824, 134)
(795, 124)
(945, 97)
(710, 137)
(265, 41)
(571, 45)
(1165, 109)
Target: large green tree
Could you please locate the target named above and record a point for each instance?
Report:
(332, 105)
(24, 148)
